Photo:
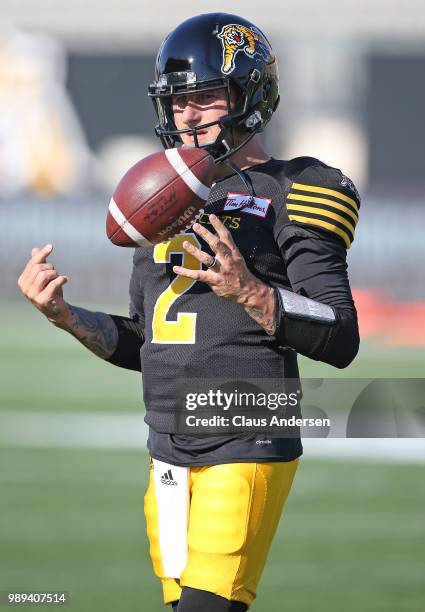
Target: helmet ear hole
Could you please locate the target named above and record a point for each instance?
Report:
(266, 91)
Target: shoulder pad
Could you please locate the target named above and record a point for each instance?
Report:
(324, 197)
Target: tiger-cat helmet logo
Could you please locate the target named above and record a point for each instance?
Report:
(235, 38)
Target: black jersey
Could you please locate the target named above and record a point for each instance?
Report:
(294, 234)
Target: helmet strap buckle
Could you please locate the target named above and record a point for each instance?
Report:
(255, 75)
(253, 120)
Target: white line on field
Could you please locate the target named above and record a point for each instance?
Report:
(127, 431)
(72, 430)
(385, 450)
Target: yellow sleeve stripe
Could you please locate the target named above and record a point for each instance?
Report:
(332, 192)
(324, 213)
(303, 198)
(328, 226)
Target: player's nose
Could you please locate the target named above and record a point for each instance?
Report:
(191, 115)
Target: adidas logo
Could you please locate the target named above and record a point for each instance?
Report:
(167, 479)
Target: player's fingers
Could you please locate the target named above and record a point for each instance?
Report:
(39, 255)
(222, 231)
(39, 282)
(198, 275)
(28, 276)
(223, 248)
(40, 268)
(223, 251)
(201, 256)
(52, 289)
(210, 238)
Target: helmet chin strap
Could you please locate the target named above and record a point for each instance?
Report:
(244, 178)
(216, 149)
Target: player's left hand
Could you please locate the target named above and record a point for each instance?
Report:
(227, 273)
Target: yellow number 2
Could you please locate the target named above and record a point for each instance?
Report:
(182, 331)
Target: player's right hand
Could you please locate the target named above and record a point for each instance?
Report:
(42, 285)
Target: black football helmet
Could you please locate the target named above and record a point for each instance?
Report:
(216, 51)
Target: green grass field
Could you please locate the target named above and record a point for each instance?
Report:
(352, 537)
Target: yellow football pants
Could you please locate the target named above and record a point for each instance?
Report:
(234, 512)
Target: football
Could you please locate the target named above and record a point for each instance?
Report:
(159, 197)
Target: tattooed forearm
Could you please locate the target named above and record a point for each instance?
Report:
(261, 307)
(96, 330)
(266, 321)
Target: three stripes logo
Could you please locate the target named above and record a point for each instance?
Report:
(328, 208)
(167, 479)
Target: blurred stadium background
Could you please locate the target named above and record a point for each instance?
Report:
(73, 116)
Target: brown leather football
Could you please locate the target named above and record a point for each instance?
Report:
(159, 197)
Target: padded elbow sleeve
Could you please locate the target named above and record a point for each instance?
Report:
(316, 330)
(303, 324)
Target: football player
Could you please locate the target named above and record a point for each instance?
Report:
(260, 277)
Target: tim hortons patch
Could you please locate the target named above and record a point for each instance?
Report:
(245, 203)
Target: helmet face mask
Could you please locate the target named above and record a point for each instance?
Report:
(167, 130)
(197, 57)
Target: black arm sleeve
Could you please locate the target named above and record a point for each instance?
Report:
(131, 333)
(317, 269)
(130, 340)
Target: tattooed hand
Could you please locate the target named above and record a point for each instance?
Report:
(42, 285)
(227, 274)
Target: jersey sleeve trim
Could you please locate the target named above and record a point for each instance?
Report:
(337, 212)
(327, 191)
(329, 226)
(327, 204)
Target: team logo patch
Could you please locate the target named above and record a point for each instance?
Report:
(247, 204)
(235, 38)
(346, 182)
